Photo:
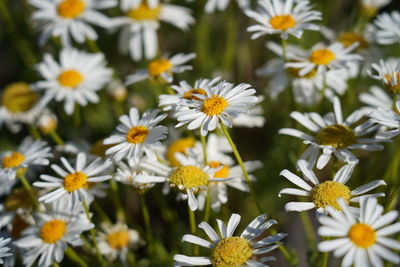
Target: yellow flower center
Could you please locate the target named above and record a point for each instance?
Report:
(13, 160)
(337, 136)
(144, 12)
(282, 22)
(322, 56)
(188, 177)
(327, 193)
(190, 95)
(19, 97)
(362, 235)
(52, 231)
(19, 198)
(75, 181)
(70, 78)
(180, 145)
(159, 66)
(118, 240)
(137, 134)
(391, 86)
(231, 252)
(221, 173)
(349, 38)
(71, 9)
(214, 105)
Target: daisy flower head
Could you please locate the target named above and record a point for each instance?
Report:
(360, 238)
(74, 182)
(116, 240)
(162, 69)
(220, 104)
(253, 118)
(283, 17)
(376, 98)
(332, 134)
(74, 79)
(70, 18)
(127, 172)
(4, 251)
(29, 153)
(137, 135)
(388, 72)
(371, 7)
(389, 119)
(141, 22)
(220, 5)
(386, 28)
(323, 194)
(230, 250)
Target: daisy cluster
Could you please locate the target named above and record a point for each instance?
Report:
(112, 128)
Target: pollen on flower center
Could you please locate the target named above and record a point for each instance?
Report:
(188, 177)
(392, 82)
(70, 78)
(190, 95)
(214, 105)
(282, 22)
(137, 134)
(158, 66)
(349, 38)
(231, 252)
(71, 8)
(13, 160)
(52, 231)
(118, 240)
(144, 12)
(327, 193)
(75, 181)
(19, 97)
(322, 56)
(221, 173)
(337, 136)
(180, 146)
(362, 235)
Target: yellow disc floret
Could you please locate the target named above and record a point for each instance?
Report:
(327, 194)
(337, 136)
(231, 252)
(190, 95)
(180, 145)
(75, 181)
(392, 82)
(362, 235)
(282, 22)
(70, 78)
(322, 56)
(188, 177)
(214, 105)
(13, 160)
(221, 173)
(52, 231)
(71, 8)
(349, 38)
(19, 97)
(144, 12)
(159, 66)
(118, 239)
(137, 134)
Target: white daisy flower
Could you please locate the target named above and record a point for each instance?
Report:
(388, 119)
(374, 4)
(4, 251)
(253, 118)
(137, 135)
(70, 18)
(283, 17)
(127, 172)
(74, 182)
(116, 240)
(376, 98)
(75, 79)
(322, 57)
(361, 238)
(221, 103)
(387, 28)
(48, 239)
(162, 69)
(29, 153)
(333, 135)
(221, 5)
(230, 250)
(388, 72)
(320, 195)
(141, 22)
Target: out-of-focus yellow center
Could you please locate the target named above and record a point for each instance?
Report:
(189, 177)
(362, 235)
(71, 9)
(118, 240)
(282, 22)
(75, 181)
(221, 173)
(144, 12)
(231, 252)
(190, 95)
(322, 56)
(349, 38)
(137, 134)
(159, 66)
(70, 78)
(52, 231)
(214, 105)
(19, 97)
(13, 160)
(180, 145)
(327, 194)
(337, 136)
(392, 82)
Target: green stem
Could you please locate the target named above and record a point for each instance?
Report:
(117, 201)
(28, 189)
(241, 164)
(146, 219)
(192, 221)
(324, 260)
(56, 138)
(283, 42)
(204, 146)
(308, 228)
(231, 40)
(92, 45)
(73, 256)
(55, 264)
(34, 132)
(207, 207)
